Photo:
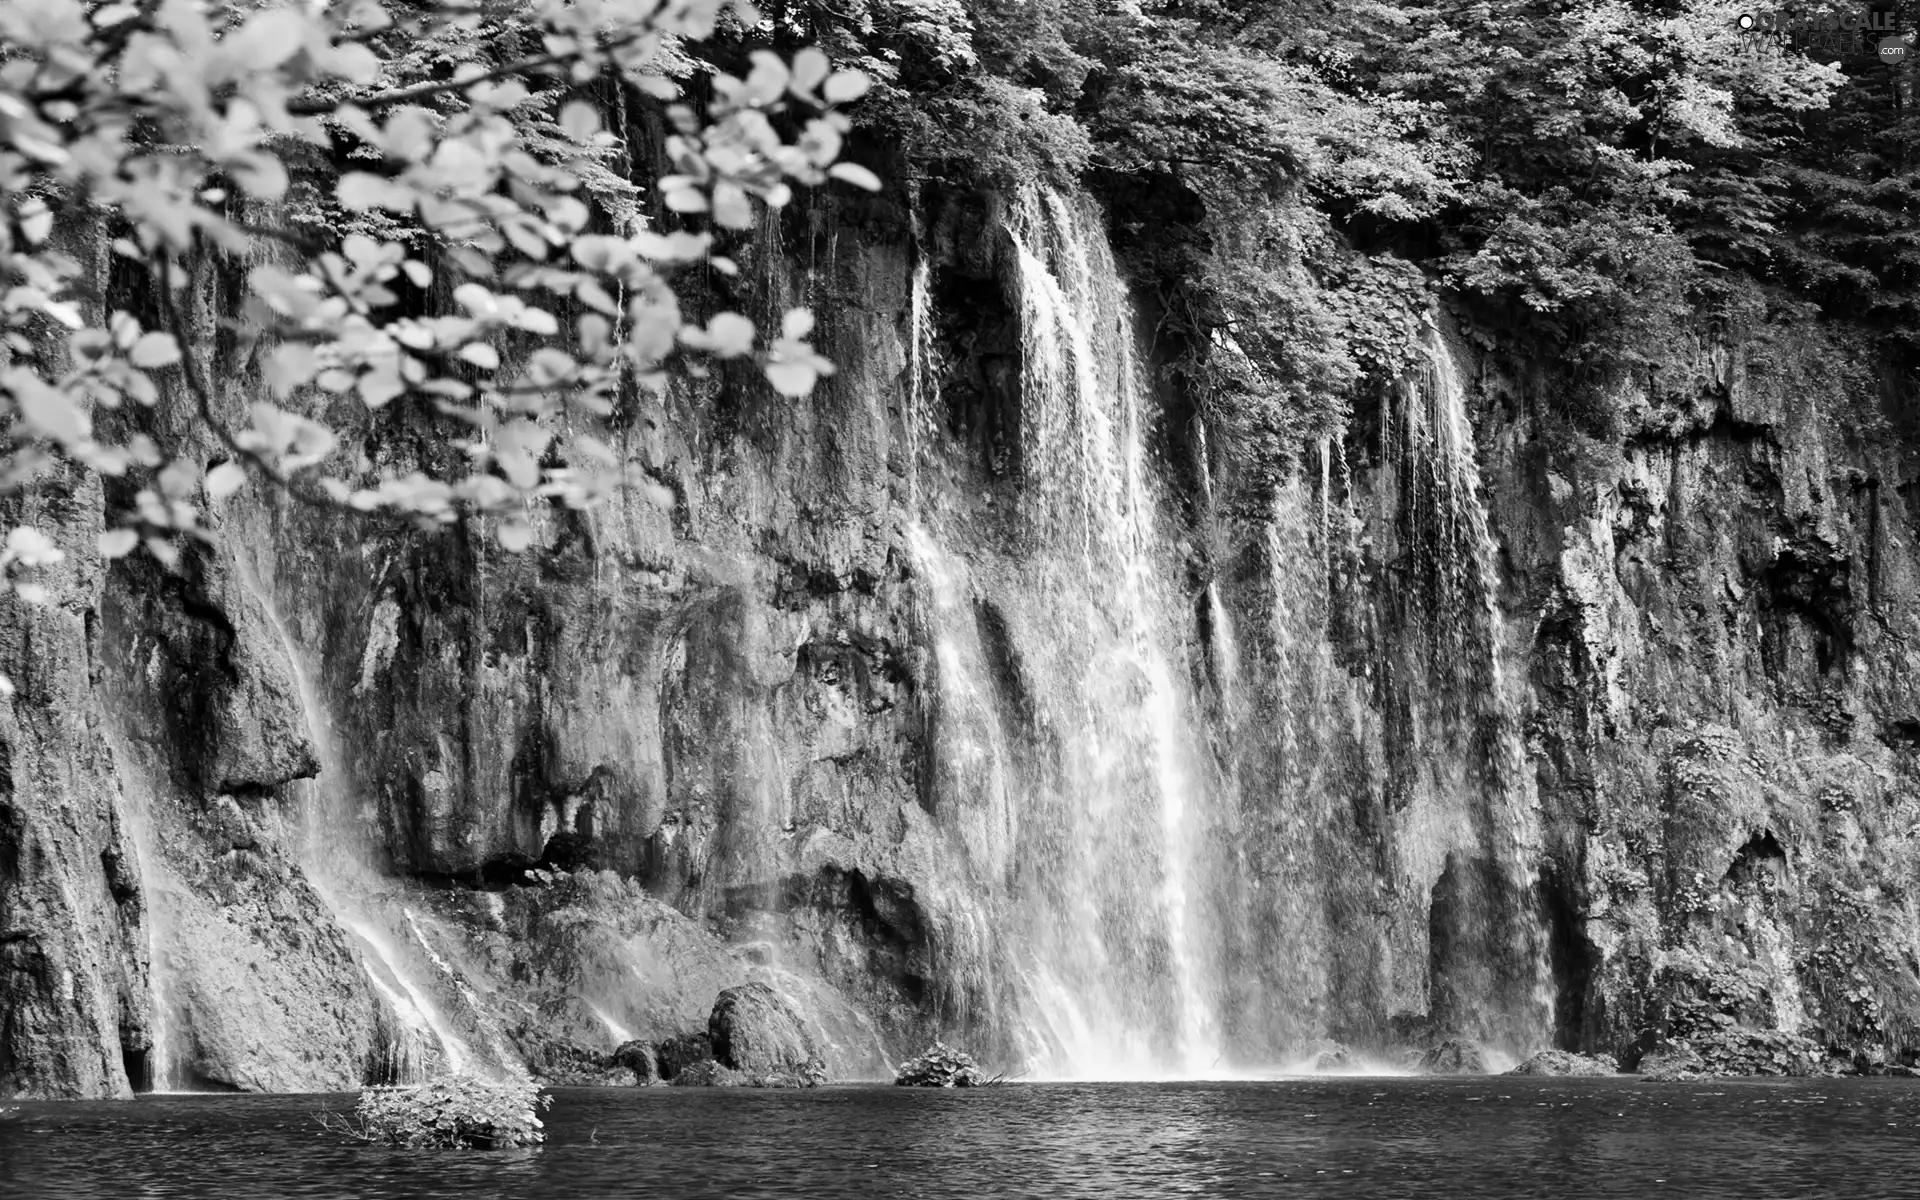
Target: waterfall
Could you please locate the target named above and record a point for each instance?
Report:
(970, 750)
(923, 373)
(158, 885)
(1111, 920)
(338, 864)
(1483, 838)
(620, 1034)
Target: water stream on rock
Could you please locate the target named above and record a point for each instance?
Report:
(1480, 839)
(338, 864)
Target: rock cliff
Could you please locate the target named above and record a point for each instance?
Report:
(937, 718)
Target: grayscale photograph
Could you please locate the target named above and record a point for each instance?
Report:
(959, 599)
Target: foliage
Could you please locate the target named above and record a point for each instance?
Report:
(455, 1113)
(939, 1066)
(418, 199)
(1584, 174)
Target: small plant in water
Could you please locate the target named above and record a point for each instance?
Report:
(458, 1112)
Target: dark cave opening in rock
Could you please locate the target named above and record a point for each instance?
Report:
(137, 1061)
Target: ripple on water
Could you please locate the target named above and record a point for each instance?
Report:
(1361, 1137)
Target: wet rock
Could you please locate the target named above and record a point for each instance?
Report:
(709, 1073)
(676, 1054)
(940, 1066)
(564, 1064)
(640, 1059)
(1455, 1056)
(1672, 1062)
(1562, 1062)
(756, 1032)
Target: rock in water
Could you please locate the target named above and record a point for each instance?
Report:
(940, 1066)
(1454, 1056)
(639, 1058)
(676, 1054)
(1672, 1062)
(757, 1033)
(1562, 1062)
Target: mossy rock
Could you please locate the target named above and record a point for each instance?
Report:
(1565, 1063)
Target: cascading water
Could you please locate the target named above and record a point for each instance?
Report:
(923, 373)
(1117, 942)
(1479, 839)
(337, 864)
(1167, 897)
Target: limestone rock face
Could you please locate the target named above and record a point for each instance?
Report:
(74, 1016)
(758, 1033)
(341, 801)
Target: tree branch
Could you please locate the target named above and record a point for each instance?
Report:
(437, 87)
(203, 398)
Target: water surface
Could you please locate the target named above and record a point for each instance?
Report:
(1364, 1137)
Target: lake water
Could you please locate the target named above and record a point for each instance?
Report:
(1359, 1137)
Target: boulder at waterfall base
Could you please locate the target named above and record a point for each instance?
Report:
(1672, 1062)
(1455, 1056)
(676, 1054)
(940, 1066)
(756, 1032)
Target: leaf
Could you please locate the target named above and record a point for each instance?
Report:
(380, 388)
(30, 548)
(793, 379)
(359, 191)
(729, 335)
(36, 221)
(810, 67)
(731, 208)
(226, 479)
(290, 365)
(515, 536)
(845, 86)
(118, 543)
(579, 121)
(481, 355)
(856, 175)
(47, 410)
(154, 350)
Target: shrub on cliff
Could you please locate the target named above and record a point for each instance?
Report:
(458, 1112)
(940, 1066)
